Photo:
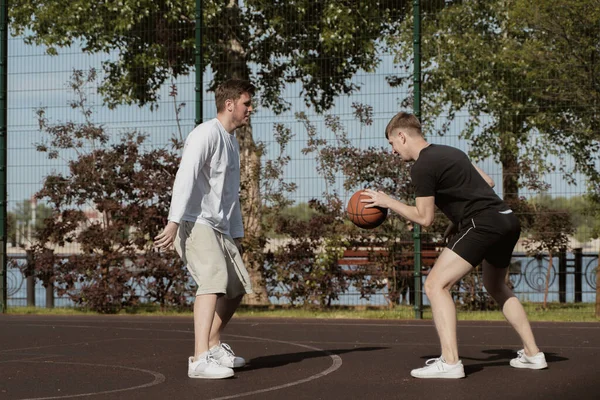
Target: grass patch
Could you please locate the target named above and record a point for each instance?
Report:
(553, 312)
(581, 312)
(400, 312)
(142, 310)
(47, 311)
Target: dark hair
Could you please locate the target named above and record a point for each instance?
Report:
(232, 89)
(405, 121)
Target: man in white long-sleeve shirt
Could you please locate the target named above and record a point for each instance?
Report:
(205, 225)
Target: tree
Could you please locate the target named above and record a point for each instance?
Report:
(24, 224)
(582, 211)
(532, 67)
(320, 44)
(549, 232)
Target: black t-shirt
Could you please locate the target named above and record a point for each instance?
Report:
(459, 190)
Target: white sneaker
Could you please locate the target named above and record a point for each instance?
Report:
(223, 354)
(207, 368)
(524, 361)
(438, 368)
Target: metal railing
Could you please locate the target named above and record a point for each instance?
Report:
(571, 279)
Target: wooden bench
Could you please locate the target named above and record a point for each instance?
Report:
(365, 261)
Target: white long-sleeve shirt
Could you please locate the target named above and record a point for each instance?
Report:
(206, 188)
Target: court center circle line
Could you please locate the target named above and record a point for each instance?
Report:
(336, 362)
(158, 379)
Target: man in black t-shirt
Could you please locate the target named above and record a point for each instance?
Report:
(487, 231)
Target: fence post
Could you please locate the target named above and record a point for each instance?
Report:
(30, 279)
(199, 63)
(3, 153)
(562, 276)
(50, 294)
(578, 253)
(417, 108)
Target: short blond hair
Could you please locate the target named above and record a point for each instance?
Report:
(405, 121)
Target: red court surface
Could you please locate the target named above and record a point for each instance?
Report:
(124, 357)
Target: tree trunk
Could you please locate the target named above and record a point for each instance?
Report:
(511, 134)
(510, 168)
(50, 294)
(235, 66)
(251, 212)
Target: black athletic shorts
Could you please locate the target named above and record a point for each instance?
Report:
(490, 235)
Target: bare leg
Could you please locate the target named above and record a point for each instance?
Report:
(204, 311)
(224, 311)
(493, 280)
(448, 269)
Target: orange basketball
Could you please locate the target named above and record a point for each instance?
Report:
(366, 218)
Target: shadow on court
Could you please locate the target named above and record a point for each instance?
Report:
(279, 360)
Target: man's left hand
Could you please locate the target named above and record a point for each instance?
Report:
(377, 199)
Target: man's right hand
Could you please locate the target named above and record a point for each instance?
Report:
(166, 238)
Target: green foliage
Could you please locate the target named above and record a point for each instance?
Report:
(549, 233)
(582, 212)
(532, 67)
(152, 39)
(319, 44)
(300, 212)
(23, 229)
(550, 230)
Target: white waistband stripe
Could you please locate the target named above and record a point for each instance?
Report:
(454, 245)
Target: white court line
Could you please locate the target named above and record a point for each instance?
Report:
(158, 379)
(58, 345)
(32, 358)
(336, 363)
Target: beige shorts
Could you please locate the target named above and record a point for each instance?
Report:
(213, 260)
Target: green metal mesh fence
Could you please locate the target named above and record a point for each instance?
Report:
(501, 82)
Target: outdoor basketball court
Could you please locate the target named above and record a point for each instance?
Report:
(117, 357)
